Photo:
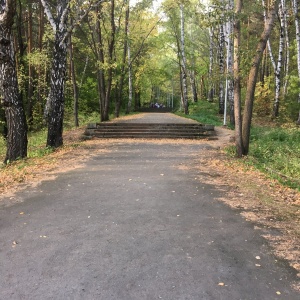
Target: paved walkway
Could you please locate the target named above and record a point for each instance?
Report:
(135, 223)
(154, 118)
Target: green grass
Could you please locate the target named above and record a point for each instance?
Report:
(204, 112)
(37, 139)
(276, 151)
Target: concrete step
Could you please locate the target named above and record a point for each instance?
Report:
(149, 130)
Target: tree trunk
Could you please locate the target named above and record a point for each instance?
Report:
(40, 87)
(130, 89)
(11, 99)
(54, 110)
(74, 83)
(221, 68)
(248, 110)
(56, 97)
(297, 25)
(100, 71)
(122, 75)
(30, 70)
(193, 86)
(211, 61)
(287, 47)
(183, 63)
(279, 64)
(229, 94)
(237, 80)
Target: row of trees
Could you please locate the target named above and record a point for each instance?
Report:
(116, 55)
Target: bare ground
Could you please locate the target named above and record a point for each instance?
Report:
(274, 209)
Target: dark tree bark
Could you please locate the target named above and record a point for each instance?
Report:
(122, 75)
(105, 77)
(11, 99)
(252, 79)
(237, 80)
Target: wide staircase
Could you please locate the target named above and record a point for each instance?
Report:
(150, 130)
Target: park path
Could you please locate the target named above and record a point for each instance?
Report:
(136, 222)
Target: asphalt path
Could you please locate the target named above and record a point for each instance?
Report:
(135, 223)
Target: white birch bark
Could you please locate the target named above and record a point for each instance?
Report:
(130, 89)
(229, 90)
(277, 66)
(287, 47)
(297, 25)
(221, 69)
(211, 62)
(279, 62)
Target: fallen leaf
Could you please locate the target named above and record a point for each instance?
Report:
(278, 293)
(257, 265)
(257, 257)
(21, 213)
(221, 283)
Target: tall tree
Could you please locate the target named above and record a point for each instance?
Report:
(54, 111)
(297, 25)
(252, 78)
(11, 98)
(237, 79)
(183, 61)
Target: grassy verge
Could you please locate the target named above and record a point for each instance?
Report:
(204, 112)
(274, 151)
(37, 139)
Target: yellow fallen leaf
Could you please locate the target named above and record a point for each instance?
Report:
(278, 293)
(257, 257)
(21, 213)
(221, 283)
(257, 265)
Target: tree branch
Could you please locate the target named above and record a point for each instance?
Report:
(49, 14)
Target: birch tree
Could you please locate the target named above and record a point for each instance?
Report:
(297, 25)
(277, 66)
(54, 110)
(183, 62)
(221, 68)
(11, 98)
(211, 90)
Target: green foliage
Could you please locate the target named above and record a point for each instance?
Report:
(88, 96)
(204, 112)
(276, 151)
(264, 92)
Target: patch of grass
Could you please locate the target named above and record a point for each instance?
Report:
(204, 112)
(276, 151)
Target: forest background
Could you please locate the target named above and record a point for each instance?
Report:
(77, 61)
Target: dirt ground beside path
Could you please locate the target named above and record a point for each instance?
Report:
(273, 209)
